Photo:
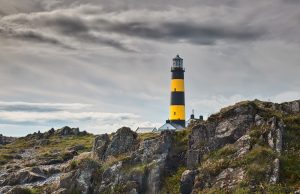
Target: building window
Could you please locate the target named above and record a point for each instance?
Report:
(175, 89)
(174, 113)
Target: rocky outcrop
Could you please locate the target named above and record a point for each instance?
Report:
(139, 165)
(67, 131)
(100, 145)
(6, 140)
(220, 129)
(80, 180)
(124, 140)
(246, 126)
(239, 149)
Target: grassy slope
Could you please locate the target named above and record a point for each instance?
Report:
(58, 145)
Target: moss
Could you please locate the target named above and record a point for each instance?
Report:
(144, 136)
(111, 160)
(180, 140)
(225, 151)
(290, 158)
(213, 191)
(74, 164)
(57, 147)
(171, 183)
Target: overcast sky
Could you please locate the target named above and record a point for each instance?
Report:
(102, 64)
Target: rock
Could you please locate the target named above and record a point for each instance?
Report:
(60, 191)
(275, 134)
(275, 172)
(220, 129)
(229, 178)
(100, 145)
(187, 181)
(65, 131)
(6, 140)
(124, 140)
(152, 149)
(243, 146)
(290, 107)
(27, 175)
(258, 120)
(79, 180)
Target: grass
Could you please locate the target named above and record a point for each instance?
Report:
(290, 158)
(145, 136)
(111, 160)
(180, 141)
(171, 183)
(57, 147)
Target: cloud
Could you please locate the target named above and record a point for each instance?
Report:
(68, 28)
(32, 36)
(42, 116)
(215, 103)
(41, 107)
(82, 24)
(202, 34)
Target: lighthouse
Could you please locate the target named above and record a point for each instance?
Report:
(177, 104)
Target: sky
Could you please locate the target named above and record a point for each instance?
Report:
(102, 64)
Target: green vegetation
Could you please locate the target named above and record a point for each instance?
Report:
(150, 135)
(180, 140)
(10, 151)
(74, 164)
(290, 158)
(56, 148)
(171, 183)
(111, 160)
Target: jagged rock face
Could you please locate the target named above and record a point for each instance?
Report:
(232, 126)
(100, 145)
(144, 166)
(219, 130)
(79, 180)
(123, 141)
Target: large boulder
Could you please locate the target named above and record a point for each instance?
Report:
(124, 140)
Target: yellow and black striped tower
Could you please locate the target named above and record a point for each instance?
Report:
(177, 106)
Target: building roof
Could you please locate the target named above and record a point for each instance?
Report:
(170, 126)
(145, 129)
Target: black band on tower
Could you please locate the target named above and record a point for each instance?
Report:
(177, 74)
(179, 122)
(177, 98)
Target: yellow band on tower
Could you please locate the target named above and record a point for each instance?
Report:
(177, 85)
(177, 112)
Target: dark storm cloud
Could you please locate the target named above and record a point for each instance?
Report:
(61, 26)
(193, 33)
(84, 25)
(31, 36)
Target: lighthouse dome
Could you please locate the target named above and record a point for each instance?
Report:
(177, 62)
